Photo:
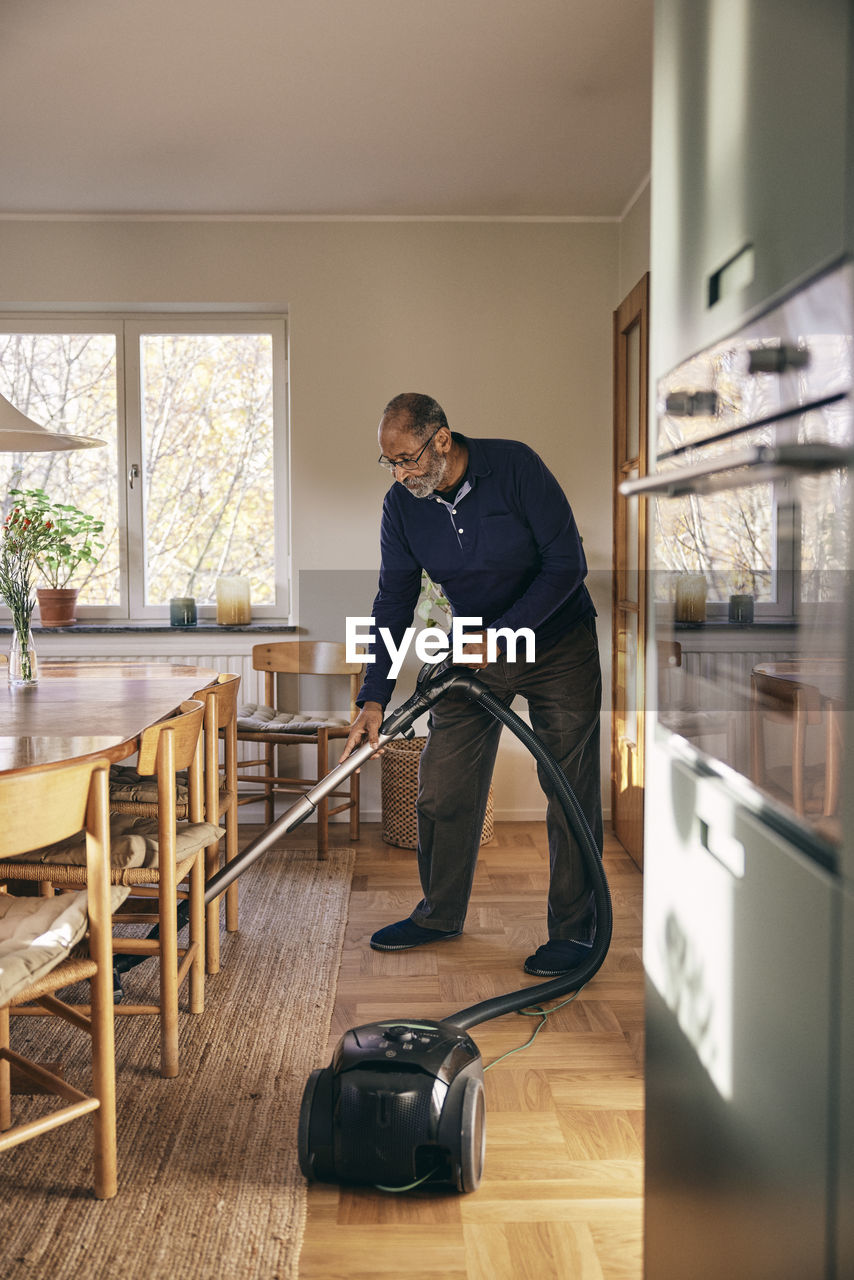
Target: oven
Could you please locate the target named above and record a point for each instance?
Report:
(749, 509)
(748, 867)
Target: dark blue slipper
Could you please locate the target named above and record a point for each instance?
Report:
(557, 956)
(406, 933)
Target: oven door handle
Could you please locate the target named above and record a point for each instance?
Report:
(759, 464)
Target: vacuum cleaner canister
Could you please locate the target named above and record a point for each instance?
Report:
(400, 1103)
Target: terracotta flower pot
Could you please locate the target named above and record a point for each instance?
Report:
(57, 606)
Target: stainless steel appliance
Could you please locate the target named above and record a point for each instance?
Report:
(749, 872)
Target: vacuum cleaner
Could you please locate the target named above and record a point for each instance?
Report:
(401, 1103)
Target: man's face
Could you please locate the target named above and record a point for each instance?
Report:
(398, 442)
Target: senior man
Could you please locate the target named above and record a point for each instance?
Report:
(488, 521)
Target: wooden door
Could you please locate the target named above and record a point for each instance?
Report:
(631, 360)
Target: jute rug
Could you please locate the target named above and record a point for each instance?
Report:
(209, 1184)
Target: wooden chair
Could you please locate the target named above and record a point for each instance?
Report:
(153, 856)
(273, 726)
(681, 701)
(52, 803)
(780, 696)
(220, 800)
(834, 719)
(134, 794)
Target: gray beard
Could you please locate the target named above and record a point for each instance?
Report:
(422, 485)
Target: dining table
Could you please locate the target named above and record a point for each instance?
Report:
(87, 709)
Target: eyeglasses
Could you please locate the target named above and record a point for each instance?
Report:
(407, 464)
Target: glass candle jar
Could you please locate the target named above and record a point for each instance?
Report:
(741, 609)
(691, 598)
(233, 605)
(182, 611)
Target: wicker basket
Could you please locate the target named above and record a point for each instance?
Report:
(400, 792)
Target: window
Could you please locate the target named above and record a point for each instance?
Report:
(739, 540)
(785, 544)
(192, 482)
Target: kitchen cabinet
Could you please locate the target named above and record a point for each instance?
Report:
(750, 120)
(739, 944)
(843, 1085)
(749, 917)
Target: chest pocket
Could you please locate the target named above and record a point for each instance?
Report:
(505, 540)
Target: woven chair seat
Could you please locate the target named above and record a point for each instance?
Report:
(134, 850)
(254, 717)
(136, 794)
(67, 972)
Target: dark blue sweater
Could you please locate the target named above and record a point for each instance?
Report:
(508, 551)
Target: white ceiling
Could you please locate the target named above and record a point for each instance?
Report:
(324, 107)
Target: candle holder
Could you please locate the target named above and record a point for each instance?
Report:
(182, 611)
(691, 591)
(741, 609)
(233, 604)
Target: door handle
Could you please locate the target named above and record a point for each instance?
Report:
(758, 464)
(133, 474)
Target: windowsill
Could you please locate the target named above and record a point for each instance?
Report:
(159, 627)
(723, 624)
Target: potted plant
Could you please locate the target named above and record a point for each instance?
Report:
(433, 607)
(20, 542)
(67, 539)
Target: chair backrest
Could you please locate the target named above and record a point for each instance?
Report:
(220, 701)
(47, 804)
(306, 658)
(52, 803)
(221, 696)
(671, 675)
(179, 734)
(782, 699)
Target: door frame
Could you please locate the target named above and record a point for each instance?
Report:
(627, 815)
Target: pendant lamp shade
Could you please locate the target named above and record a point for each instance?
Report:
(19, 434)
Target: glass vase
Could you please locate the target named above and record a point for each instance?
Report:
(23, 663)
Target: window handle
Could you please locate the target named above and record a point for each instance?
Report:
(133, 474)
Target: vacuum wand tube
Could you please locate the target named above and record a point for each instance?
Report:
(304, 808)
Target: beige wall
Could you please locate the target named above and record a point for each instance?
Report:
(634, 241)
(507, 324)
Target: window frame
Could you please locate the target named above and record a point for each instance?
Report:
(785, 574)
(128, 327)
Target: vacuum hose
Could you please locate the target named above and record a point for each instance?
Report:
(433, 682)
(573, 979)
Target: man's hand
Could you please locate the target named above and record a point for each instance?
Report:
(366, 725)
(474, 649)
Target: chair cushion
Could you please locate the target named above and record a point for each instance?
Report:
(254, 717)
(133, 843)
(140, 834)
(131, 787)
(36, 934)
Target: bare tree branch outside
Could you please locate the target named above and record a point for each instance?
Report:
(206, 408)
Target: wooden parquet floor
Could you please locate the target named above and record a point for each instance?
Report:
(561, 1194)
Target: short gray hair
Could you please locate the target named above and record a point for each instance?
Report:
(423, 414)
